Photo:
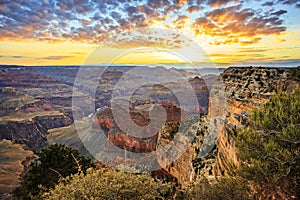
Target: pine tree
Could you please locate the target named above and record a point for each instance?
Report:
(269, 149)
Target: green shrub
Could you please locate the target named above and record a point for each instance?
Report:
(54, 162)
(226, 188)
(269, 148)
(269, 153)
(110, 184)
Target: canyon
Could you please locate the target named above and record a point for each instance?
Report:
(245, 89)
(232, 98)
(36, 110)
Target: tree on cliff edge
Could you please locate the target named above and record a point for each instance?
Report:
(54, 162)
(269, 149)
(269, 153)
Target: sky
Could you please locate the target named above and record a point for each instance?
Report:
(201, 32)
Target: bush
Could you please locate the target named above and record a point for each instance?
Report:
(226, 188)
(110, 184)
(54, 162)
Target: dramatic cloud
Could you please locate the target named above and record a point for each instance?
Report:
(216, 3)
(278, 13)
(269, 3)
(193, 9)
(234, 24)
(112, 21)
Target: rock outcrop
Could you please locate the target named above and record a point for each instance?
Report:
(177, 144)
(245, 89)
(25, 120)
(32, 131)
(118, 137)
(175, 139)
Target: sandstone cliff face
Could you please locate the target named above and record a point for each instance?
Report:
(182, 167)
(176, 145)
(118, 137)
(178, 161)
(245, 89)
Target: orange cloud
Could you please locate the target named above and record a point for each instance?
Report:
(233, 24)
(113, 22)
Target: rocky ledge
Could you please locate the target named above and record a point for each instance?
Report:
(244, 89)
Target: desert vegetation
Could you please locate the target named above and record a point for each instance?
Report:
(54, 163)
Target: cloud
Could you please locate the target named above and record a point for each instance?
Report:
(238, 25)
(279, 12)
(54, 57)
(227, 55)
(104, 21)
(251, 41)
(288, 2)
(271, 61)
(181, 21)
(253, 50)
(158, 3)
(238, 54)
(193, 9)
(269, 3)
(216, 3)
(148, 38)
(15, 57)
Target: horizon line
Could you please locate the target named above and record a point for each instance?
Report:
(150, 65)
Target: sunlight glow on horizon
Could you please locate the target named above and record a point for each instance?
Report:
(226, 33)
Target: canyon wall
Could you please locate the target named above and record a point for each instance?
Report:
(211, 149)
(232, 98)
(32, 131)
(245, 89)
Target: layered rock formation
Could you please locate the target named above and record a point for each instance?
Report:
(176, 145)
(37, 111)
(37, 100)
(118, 137)
(25, 120)
(232, 98)
(32, 131)
(176, 158)
(33, 87)
(245, 89)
